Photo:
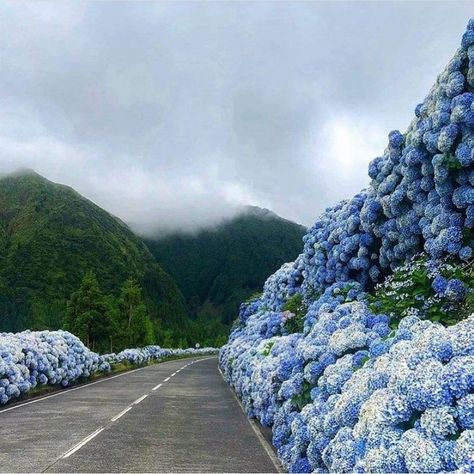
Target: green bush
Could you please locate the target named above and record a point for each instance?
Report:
(304, 397)
(409, 290)
(297, 309)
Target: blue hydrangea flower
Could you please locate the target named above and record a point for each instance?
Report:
(348, 394)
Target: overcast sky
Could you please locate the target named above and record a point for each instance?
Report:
(172, 114)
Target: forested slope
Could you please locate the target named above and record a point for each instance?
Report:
(218, 267)
(50, 237)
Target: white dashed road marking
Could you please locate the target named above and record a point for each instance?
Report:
(83, 442)
(116, 417)
(138, 400)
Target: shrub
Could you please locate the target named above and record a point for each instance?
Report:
(380, 379)
(294, 311)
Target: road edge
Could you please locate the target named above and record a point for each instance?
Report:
(256, 428)
(58, 390)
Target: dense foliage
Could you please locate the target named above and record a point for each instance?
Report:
(50, 237)
(379, 377)
(217, 268)
(441, 292)
(104, 322)
(31, 359)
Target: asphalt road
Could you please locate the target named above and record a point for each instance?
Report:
(178, 416)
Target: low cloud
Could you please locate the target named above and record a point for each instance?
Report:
(172, 115)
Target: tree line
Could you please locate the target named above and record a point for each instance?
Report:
(110, 323)
(106, 323)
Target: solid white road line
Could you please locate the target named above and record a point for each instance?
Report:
(82, 443)
(116, 417)
(157, 387)
(70, 390)
(64, 392)
(138, 400)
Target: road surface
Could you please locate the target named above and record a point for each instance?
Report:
(178, 416)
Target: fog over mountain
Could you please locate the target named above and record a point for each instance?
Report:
(172, 115)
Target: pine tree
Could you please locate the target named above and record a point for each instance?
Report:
(105, 323)
(88, 315)
(136, 325)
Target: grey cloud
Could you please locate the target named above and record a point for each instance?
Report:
(173, 114)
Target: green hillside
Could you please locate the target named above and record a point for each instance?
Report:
(50, 237)
(218, 268)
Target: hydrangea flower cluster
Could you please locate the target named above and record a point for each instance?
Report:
(32, 358)
(437, 290)
(145, 355)
(28, 359)
(351, 393)
(284, 283)
(421, 196)
(411, 409)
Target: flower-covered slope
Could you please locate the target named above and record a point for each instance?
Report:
(348, 389)
(29, 359)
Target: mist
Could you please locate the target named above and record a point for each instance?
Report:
(174, 115)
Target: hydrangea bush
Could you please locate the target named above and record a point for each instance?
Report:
(360, 354)
(439, 291)
(32, 358)
(145, 355)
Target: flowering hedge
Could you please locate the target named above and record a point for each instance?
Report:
(149, 354)
(29, 359)
(356, 390)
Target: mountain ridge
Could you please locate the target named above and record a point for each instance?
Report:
(50, 236)
(218, 267)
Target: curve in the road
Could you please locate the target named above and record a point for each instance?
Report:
(153, 419)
